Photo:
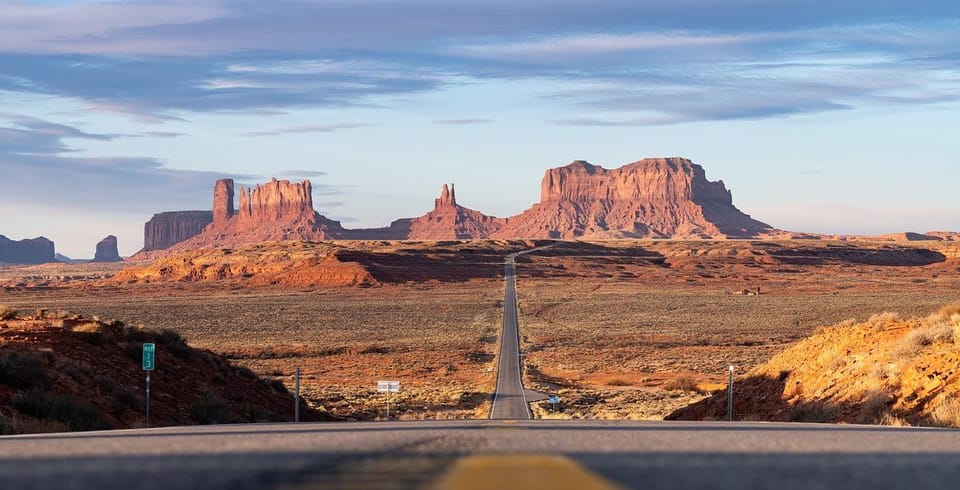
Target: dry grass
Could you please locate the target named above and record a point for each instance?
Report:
(934, 332)
(438, 340)
(947, 414)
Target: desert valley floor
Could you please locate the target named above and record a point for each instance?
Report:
(619, 329)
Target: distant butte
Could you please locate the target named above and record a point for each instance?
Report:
(651, 198)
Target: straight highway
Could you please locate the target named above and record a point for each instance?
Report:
(510, 399)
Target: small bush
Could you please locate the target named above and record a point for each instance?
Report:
(375, 349)
(105, 384)
(246, 372)
(93, 333)
(7, 313)
(914, 342)
(74, 414)
(210, 410)
(947, 414)
(176, 344)
(125, 399)
(278, 386)
(23, 370)
(682, 383)
(881, 320)
(813, 413)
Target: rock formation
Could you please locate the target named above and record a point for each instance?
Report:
(167, 229)
(450, 221)
(651, 198)
(107, 250)
(29, 251)
(223, 200)
(274, 211)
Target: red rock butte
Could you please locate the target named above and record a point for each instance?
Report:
(651, 198)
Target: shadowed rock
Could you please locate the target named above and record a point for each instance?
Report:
(107, 250)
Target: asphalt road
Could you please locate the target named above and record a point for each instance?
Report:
(440, 454)
(510, 400)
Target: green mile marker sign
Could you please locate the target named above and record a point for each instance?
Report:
(149, 356)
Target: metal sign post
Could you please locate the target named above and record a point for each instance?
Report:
(296, 395)
(388, 387)
(149, 362)
(730, 396)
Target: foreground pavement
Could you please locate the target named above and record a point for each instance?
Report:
(487, 454)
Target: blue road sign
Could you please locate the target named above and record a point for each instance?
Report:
(554, 399)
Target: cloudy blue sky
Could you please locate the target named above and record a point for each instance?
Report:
(820, 115)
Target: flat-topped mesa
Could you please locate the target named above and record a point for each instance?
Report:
(447, 199)
(170, 228)
(650, 198)
(28, 251)
(223, 200)
(653, 179)
(275, 201)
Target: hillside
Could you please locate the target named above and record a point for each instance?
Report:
(886, 370)
(61, 371)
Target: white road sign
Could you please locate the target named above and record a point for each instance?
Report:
(388, 386)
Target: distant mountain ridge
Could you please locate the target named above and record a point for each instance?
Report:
(650, 198)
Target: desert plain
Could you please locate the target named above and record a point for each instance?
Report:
(619, 329)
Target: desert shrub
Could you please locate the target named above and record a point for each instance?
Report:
(813, 413)
(873, 407)
(914, 342)
(105, 384)
(891, 420)
(211, 409)
(74, 414)
(134, 351)
(139, 334)
(76, 373)
(246, 372)
(176, 344)
(882, 320)
(949, 310)
(253, 413)
(375, 349)
(7, 313)
(278, 386)
(91, 332)
(23, 370)
(947, 414)
(125, 399)
(682, 383)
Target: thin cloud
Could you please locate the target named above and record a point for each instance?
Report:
(313, 128)
(301, 173)
(463, 122)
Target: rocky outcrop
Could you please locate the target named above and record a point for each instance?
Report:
(651, 198)
(167, 229)
(29, 251)
(107, 250)
(450, 221)
(275, 211)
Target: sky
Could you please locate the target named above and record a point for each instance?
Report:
(820, 116)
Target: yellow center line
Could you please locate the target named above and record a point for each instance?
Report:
(520, 471)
